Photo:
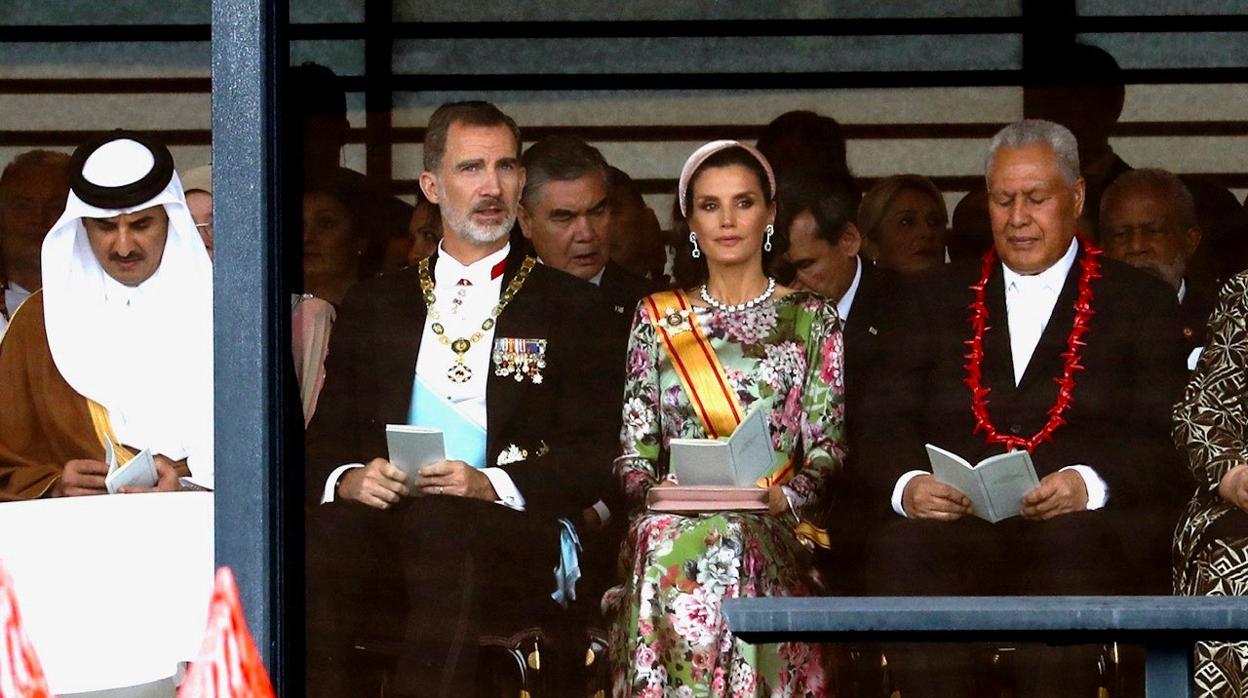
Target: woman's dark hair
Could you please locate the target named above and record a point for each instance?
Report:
(690, 272)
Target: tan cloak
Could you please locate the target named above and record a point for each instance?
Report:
(44, 423)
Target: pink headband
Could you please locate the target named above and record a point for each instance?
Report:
(701, 154)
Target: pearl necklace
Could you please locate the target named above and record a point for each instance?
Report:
(727, 308)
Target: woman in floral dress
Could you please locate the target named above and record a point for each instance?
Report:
(776, 346)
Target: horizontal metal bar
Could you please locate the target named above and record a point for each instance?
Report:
(1070, 619)
(858, 26)
(69, 86)
(104, 33)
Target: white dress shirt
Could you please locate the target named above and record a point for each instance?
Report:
(846, 303)
(1029, 302)
(464, 297)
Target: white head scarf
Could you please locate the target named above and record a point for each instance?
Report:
(144, 353)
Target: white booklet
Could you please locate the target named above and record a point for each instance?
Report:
(411, 448)
(139, 471)
(995, 485)
(737, 461)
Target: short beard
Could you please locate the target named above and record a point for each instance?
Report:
(465, 228)
(1171, 273)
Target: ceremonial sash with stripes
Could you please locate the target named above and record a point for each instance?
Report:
(705, 382)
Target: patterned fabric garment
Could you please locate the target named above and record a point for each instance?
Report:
(668, 636)
(1211, 424)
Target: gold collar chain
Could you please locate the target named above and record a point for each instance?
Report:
(459, 372)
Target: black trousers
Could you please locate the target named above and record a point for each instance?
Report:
(1073, 554)
(432, 572)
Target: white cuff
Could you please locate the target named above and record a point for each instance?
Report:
(604, 514)
(331, 482)
(1193, 358)
(900, 488)
(1098, 491)
(506, 490)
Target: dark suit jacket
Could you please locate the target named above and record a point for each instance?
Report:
(372, 363)
(1120, 415)
(1194, 313)
(869, 342)
(622, 290)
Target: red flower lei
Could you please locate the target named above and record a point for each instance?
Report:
(1089, 269)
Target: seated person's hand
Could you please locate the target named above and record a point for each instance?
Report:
(1058, 493)
(168, 474)
(777, 503)
(1234, 486)
(80, 477)
(456, 478)
(378, 484)
(925, 497)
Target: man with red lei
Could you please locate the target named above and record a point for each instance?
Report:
(1042, 345)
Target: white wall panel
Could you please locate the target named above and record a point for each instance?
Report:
(1210, 154)
(174, 59)
(595, 108)
(1185, 103)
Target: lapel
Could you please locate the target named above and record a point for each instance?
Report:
(1046, 361)
(521, 318)
(998, 364)
(862, 310)
(404, 327)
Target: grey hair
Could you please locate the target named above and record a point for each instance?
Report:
(1027, 132)
(1181, 202)
(559, 158)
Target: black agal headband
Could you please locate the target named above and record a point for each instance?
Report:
(127, 194)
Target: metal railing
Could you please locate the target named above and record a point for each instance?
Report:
(1167, 626)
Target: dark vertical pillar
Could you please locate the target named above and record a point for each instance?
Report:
(252, 317)
(1048, 29)
(378, 100)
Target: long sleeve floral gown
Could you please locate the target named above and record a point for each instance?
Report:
(668, 636)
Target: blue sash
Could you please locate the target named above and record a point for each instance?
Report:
(461, 437)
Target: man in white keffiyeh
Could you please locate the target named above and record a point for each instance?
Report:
(116, 350)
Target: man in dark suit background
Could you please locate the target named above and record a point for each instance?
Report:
(486, 335)
(565, 213)
(1097, 438)
(1148, 220)
(821, 243)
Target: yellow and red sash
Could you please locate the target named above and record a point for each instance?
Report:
(705, 382)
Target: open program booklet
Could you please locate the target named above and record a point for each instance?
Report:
(737, 461)
(139, 471)
(995, 485)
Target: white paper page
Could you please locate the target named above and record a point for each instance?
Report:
(953, 470)
(750, 444)
(1006, 479)
(411, 448)
(138, 472)
(700, 462)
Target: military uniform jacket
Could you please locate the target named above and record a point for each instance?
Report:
(565, 426)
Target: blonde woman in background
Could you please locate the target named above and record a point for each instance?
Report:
(904, 222)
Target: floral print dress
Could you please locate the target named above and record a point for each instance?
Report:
(668, 637)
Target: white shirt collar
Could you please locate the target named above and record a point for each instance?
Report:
(846, 303)
(1052, 278)
(1182, 289)
(449, 270)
